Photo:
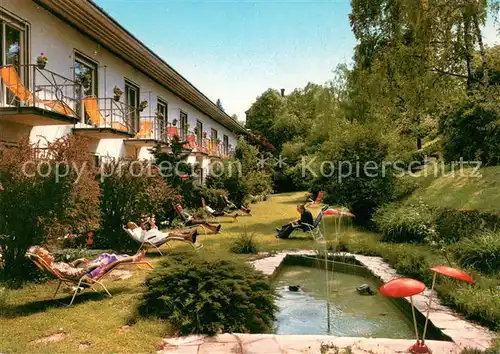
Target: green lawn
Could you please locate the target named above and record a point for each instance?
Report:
(480, 190)
(97, 323)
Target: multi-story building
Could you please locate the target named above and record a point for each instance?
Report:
(98, 81)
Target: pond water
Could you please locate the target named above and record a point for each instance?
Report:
(351, 314)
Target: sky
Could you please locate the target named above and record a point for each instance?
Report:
(234, 50)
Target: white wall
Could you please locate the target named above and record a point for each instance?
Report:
(58, 41)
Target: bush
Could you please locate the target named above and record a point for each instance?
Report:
(41, 206)
(453, 224)
(201, 294)
(213, 197)
(242, 176)
(360, 190)
(245, 244)
(129, 195)
(480, 252)
(404, 223)
(472, 132)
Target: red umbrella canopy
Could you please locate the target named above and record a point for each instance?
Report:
(331, 212)
(402, 287)
(346, 213)
(454, 273)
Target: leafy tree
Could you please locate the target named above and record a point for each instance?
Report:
(46, 194)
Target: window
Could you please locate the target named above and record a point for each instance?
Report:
(184, 125)
(13, 46)
(161, 114)
(86, 74)
(199, 133)
(132, 101)
(213, 136)
(226, 144)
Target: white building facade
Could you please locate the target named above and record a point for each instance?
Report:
(91, 58)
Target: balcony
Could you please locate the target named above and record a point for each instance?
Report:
(32, 96)
(105, 118)
(152, 131)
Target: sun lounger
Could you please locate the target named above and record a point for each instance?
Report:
(85, 281)
(13, 83)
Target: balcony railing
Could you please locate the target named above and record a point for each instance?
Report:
(32, 86)
(106, 113)
(152, 128)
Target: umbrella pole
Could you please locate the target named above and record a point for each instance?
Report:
(429, 305)
(414, 317)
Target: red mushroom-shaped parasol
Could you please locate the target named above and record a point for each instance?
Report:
(407, 287)
(450, 272)
(346, 213)
(331, 212)
(402, 287)
(453, 273)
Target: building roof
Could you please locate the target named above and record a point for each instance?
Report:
(93, 21)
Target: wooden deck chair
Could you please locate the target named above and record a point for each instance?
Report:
(318, 201)
(13, 83)
(145, 131)
(187, 219)
(92, 108)
(154, 239)
(85, 281)
(212, 212)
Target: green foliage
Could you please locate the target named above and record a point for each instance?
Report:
(178, 174)
(129, 192)
(452, 225)
(206, 294)
(242, 177)
(405, 223)
(245, 243)
(480, 252)
(361, 190)
(45, 197)
(472, 132)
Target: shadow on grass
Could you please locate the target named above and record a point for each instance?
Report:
(38, 306)
(264, 228)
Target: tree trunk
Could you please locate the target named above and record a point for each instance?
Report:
(468, 48)
(481, 50)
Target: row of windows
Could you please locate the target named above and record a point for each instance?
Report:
(14, 51)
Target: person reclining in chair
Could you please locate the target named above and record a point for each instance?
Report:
(232, 207)
(140, 233)
(300, 224)
(92, 269)
(189, 220)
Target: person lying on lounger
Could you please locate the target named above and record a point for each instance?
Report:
(189, 220)
(231, 206)
(306, 219)
(217, 213)
(140, 233)
(80, 267)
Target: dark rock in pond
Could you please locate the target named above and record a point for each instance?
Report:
(365, 290)
(294, 287)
